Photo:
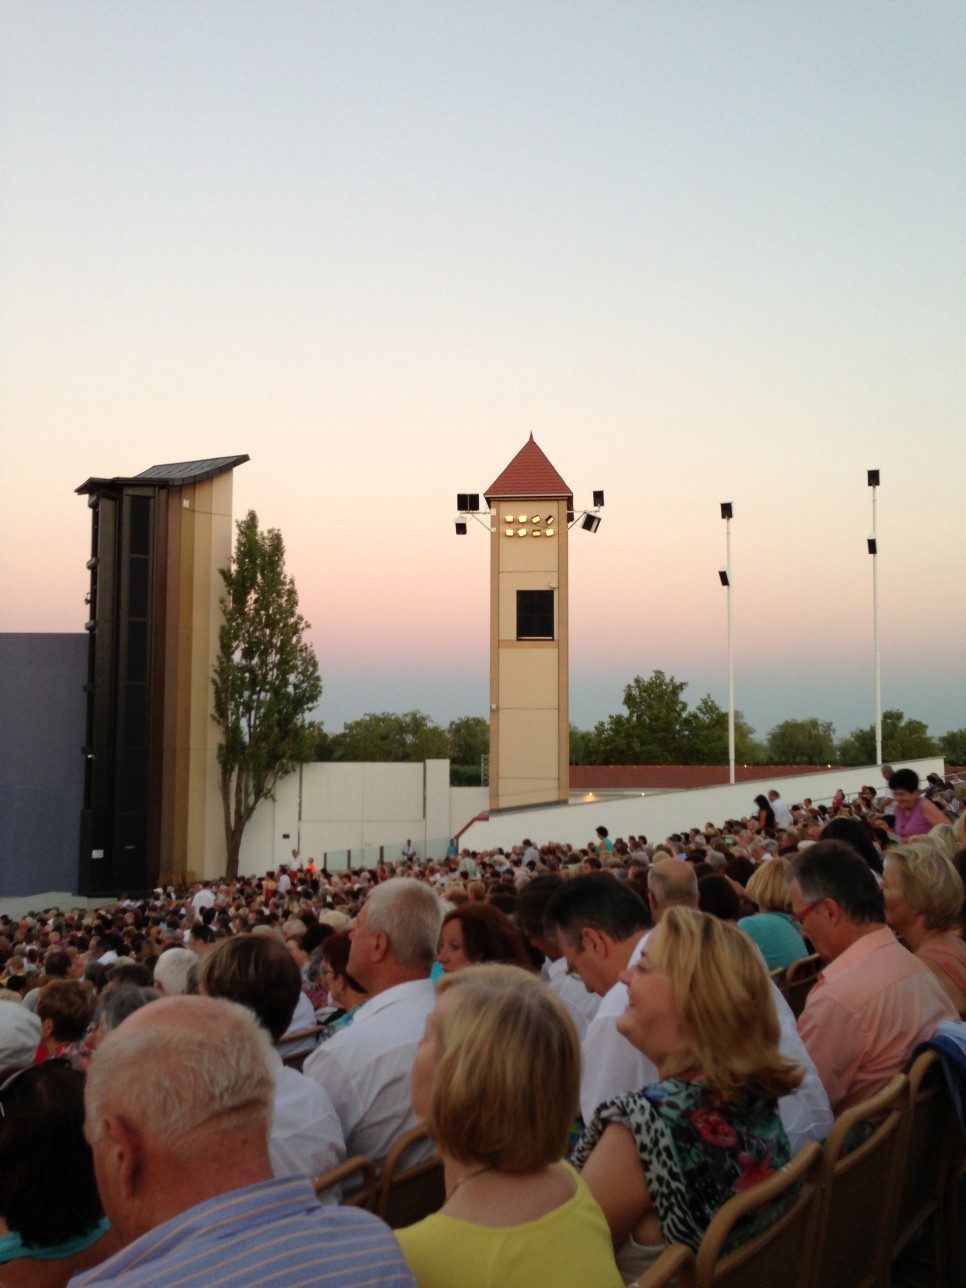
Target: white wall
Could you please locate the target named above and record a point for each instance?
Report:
(658, 814)
(341, 809)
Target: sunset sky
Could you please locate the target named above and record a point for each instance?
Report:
(702, 251)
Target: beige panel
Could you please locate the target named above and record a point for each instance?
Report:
(528, 678)
(528, 746)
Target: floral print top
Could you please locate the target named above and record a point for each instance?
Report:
(698, 1148)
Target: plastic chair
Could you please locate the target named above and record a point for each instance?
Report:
(800, 979)
(861, 1190)
(364, 1193)
(782, 1253)
(674, 1266)
(407, 1194)
(930, 1137)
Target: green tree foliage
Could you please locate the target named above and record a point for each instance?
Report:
(953, 746)
(583, 747)
(387, 736)
(469, 740)
(802, 742)
(902, 739)
(265, 680)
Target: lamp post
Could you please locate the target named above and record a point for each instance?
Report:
(873, 480)
(725, 575)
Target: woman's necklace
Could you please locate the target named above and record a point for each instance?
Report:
(468, 1177)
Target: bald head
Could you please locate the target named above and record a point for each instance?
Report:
(671, 883)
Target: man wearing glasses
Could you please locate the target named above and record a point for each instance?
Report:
(874, 1001)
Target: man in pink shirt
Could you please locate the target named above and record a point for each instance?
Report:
(874, 1001)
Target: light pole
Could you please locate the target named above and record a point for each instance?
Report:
(725, 575)
(873, 479)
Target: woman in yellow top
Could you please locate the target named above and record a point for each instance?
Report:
(496, 1079)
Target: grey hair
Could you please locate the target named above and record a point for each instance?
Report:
(410, 915)
(118, 1003)
(677, 886)
(173, 970)
(203, 1065)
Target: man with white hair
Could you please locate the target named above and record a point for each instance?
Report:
(174, 971)
(365, 1068)
(178, 1105)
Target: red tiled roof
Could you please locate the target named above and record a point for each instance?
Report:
(675, 777)
(529, 474)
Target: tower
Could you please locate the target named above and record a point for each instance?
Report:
(530, 506)
(151, 800)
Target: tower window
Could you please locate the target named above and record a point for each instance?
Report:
(534, 614)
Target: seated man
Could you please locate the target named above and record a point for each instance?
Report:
(257, 971)
(874, 1001)
(365, 1067)
(178, 1106)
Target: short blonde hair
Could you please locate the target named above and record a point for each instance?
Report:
(508, 1079)
(767, 887)
(930, 884)
(725, 1004)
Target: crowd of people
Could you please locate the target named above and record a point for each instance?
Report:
(591, 1036)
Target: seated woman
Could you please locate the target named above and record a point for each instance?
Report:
(65, 1009)
(496, 1079)
(662, 1161)
(479, 932)
(923, 895)
(345, 992)
(51, 1222)
(914, 814)
(772, 928)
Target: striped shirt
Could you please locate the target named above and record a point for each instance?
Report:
(274, 1233)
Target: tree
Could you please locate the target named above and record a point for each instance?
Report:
(953, 746)
(265, 680)
(802, 742)
(469, 740)
(707, 740)
(388, 736)
(583, 747)
(902, 739)
(654, 730)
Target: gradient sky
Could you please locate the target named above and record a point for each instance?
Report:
(702, 251)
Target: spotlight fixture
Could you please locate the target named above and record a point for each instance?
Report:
(460, 528)
(590, 522)
(726, 510)
(468, 502)
(723, 574)
(873, 478)
(598, 498)
(873, 546)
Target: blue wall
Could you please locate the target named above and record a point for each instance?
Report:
(42, 717)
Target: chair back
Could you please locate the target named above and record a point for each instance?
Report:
(800, 979)
(289, 1040)
(365, 1183)
(675, 1266)
(407, 1194)
(783, 1252)
(861, 1189)
(930, 1139)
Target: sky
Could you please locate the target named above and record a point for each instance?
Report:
(703, 252)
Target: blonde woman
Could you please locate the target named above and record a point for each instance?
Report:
(772, 928)
(923, 896)
(662, 1161)
(496, 1080)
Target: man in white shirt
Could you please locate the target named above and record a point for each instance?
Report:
(781, 809)
(365, 1068)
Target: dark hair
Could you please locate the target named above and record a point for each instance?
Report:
(740, 870)
(124, 1000)
(905, 780)
(601, 903)
(489, 935)
(47, 1188)
(69, 1005)
(335, 950)
(316, 933)
(57, 964)
(258, 972)
(135, 973)
(533, 901)
(764, 803)
(856, 834)
(716, 895)
(833, 870)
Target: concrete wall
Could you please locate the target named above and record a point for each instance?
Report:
(42, 730)
(344, 810)
(659, 814)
